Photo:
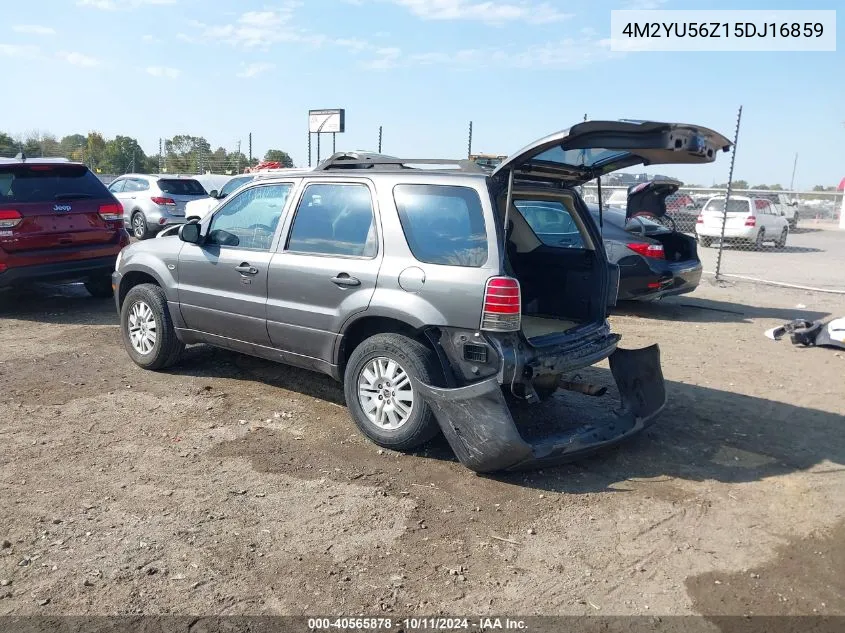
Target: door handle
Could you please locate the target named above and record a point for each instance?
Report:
(246, 269)
(345, 281)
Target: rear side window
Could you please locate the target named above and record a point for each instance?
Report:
(136, 184)
(335, 220)
(46, 183)
(551, 222)
(443, 224)
(181, 187)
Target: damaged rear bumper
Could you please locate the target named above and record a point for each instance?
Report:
(478, 425)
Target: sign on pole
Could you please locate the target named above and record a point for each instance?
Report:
(326, 121)
(330, 121)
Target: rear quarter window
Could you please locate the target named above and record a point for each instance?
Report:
(47, 183)
(181, 187)
(551, 222)
(443, 224)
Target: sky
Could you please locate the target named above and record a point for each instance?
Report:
(421, 69)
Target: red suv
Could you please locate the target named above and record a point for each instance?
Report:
(57, 222)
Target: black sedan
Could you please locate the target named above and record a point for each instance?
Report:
(654, 261)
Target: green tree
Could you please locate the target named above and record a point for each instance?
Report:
(8, 146)
(185, 154)
(277, 155)
(122, 155)
(736, 184)
(73, 147)
(95, 151)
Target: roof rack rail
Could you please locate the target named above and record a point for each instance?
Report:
(368, 160)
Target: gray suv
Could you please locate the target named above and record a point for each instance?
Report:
(154, 202)
(420, 285)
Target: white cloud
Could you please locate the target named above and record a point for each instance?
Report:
(385, 58)
(258, 29)
(562, 54)
(251, 71)
(34, 29)
(163, 71)
(115, 5)
(78, 59)
(643, 5)
(18, 50)
(487, 11)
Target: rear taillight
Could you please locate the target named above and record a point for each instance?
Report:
(164, 202)
(9, 218)
(111, 212)
(3, 268)
(699, 219)
(751, 221)
(648, 250)
(502, 305)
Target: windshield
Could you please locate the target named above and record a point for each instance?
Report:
(233, 184)
(43, 183)
(181, 187)
(734, 206)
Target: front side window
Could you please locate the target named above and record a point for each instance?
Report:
(334, 219)
(443, 224)
(551, 222)
(250, 218)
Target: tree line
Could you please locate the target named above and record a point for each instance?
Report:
(182, 154)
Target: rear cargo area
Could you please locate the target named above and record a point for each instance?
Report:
(561, 278)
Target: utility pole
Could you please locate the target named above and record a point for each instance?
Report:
(239, 158)
(250, 148)
(379, 139)
(728, 195)
(309, 149)
(160, 156)
(469, 143)
(794, 166)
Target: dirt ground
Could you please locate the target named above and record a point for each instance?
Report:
(231, 485)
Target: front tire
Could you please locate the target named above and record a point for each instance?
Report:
(139, 226)
(380, 394)
(99, 287)
(147, 329)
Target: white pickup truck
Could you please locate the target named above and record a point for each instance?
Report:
(784, 205)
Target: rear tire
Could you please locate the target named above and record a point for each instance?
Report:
(759, 241)
(145, 311)
(100, 287)
(379, 370)
(705, 241)
(781, 243)
(140, 229)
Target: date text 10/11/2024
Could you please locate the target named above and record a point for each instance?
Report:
(416, 624)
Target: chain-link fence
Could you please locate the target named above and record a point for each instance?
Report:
(792, 238)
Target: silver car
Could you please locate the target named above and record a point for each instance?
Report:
(154, 202)
(421, 285)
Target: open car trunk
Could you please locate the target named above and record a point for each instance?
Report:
(551, 252)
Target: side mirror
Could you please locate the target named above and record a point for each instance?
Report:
(190, 233)
(214, 193)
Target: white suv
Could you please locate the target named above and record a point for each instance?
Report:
(749, 220)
